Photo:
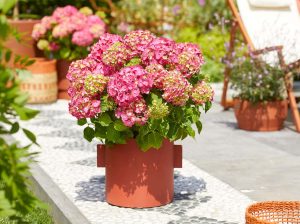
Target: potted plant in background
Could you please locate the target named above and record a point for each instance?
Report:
(260, 103)
(66, 35)
(23, 24)
(138, 94)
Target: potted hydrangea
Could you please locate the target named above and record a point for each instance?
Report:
(260, 103)
(136, 94)
(66, 35)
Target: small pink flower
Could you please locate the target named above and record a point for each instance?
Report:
(53, 46)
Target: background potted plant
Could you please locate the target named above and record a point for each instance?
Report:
(260, 102)
(20, 41)
(136, 94)
(66, 35)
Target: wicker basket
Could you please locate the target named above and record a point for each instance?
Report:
(273, 212)
(42, 85)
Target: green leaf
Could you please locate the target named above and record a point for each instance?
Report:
(119, 126)
(30, 136)
(199, 126)
(207, 106)
(81, 122)
(24, 112)
(64, 53)
(100, 131)
(89, 133)
(14, 128)
(6, 5)
(105, 119)
(155, 139)
(7, 55)
(112, 134)
(190, 131)
(21, 99)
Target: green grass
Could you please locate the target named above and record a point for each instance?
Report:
(37, 216)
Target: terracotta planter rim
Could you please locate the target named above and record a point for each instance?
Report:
(20, 21)
(44, 60)
(260, 102)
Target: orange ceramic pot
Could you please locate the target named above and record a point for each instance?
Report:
(27, 46)
(62, 82)
(138, 179)
(267, 116)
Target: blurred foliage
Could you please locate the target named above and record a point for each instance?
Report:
(37, 216)
(212, 43)
(16, 200)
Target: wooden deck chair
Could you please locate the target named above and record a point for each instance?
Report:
(267, 26)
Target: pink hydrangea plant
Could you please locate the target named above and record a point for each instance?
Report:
(65, 25)
(141, 77)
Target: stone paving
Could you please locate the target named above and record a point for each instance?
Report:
(71, 162)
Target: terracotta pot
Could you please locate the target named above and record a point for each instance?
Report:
(261, 116)
(26, 46)
(62, 82)
(138, 179)
(42, 85)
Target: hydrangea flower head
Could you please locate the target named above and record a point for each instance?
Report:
(158, 73)
(202, 93)
(158, 110)
(95, 83)
(176, 88)
(84, 106)
(116, 55)
(134, 113)
(104, 42)
(159, 51)
(128, 84)
(138, 41)
(82, 38)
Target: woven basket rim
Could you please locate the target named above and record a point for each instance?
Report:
(263, 203)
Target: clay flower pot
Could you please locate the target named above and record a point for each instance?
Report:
(62, 82)
(26, 46)
(42, 85)
(138, 179)
(267, 116)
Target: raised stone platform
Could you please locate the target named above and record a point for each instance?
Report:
(69, 162)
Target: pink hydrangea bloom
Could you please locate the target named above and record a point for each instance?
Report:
(128, 84)
(97, 30)
(116, 55)
(60, 13)
(134, 113)
(105, 41)
(39, 30)
(78, 70)
(82, 38)
(138, 40)
(176, 88)
(160, 51)
(48, 22)
(189, 59)
(158, 73)
(84, 106)
(62, 30)
(202, 93)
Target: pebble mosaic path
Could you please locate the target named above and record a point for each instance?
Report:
(71, 163)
